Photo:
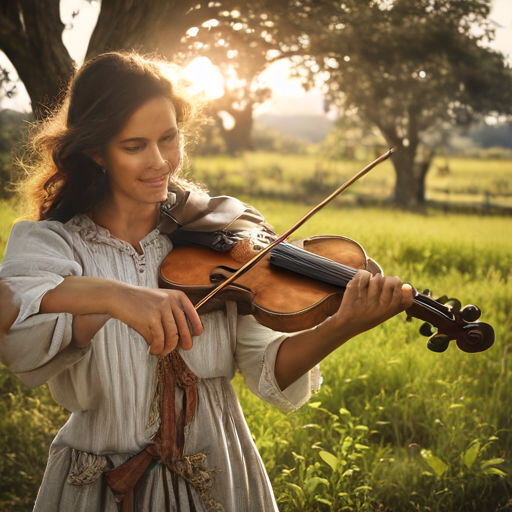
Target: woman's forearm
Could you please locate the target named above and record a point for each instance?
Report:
(81, 296)
(301, 352)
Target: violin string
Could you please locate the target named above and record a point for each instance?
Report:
(312, 265)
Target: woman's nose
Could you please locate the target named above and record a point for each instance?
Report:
(156, 159)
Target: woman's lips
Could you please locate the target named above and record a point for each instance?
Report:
(156, 182)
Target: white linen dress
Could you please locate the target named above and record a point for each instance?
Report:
(109, 386)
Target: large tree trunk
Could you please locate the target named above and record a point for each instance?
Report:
(410, 178)
(31, 37)
(238, 138)
(406, 186)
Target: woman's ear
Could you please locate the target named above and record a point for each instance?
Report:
(97, 156)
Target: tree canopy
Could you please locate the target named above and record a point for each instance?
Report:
(225, 31)
(410, 67)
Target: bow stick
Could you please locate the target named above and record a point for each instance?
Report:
(248, 265)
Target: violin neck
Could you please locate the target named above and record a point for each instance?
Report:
(291, 257)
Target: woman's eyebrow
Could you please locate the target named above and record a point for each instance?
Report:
(142, 139)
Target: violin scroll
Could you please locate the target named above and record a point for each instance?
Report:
(453, 323)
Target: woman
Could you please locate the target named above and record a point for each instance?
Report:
(147, 431)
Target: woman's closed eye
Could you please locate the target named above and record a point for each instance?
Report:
(171, 138)
(133, 149)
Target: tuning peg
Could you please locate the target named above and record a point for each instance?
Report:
(427, 292)
(426, 330)
(454, 305)
(443, 299)
(438, 343)
(470, 313)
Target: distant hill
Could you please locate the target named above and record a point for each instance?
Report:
(492, 136)
(311, 128)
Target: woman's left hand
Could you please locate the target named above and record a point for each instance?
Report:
(369, 300)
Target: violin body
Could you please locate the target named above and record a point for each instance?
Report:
(286, 301)
(278, 298)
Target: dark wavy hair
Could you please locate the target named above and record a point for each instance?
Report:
(62, 179)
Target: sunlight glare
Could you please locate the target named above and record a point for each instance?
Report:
(205, 77)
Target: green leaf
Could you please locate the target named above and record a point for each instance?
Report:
(297, 489)
(361, 446)
(471, 454)
(491, 462)
(330, 459)
(495, 471)
(434, 462)
(296, 456)
(323, 500)
(363, 488)
(314, 482)
(315, 405)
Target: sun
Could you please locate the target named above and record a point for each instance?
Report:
(205, 78)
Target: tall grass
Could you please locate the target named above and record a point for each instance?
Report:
(394, 426)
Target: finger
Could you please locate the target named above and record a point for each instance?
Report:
(407, 295)
(388, 295)
(396, 300)
(191, 314)
(375, 289)
(170, 331)
(363, 280)
(157, 338)
(185, 338)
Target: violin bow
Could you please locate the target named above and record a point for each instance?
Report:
(253, 261)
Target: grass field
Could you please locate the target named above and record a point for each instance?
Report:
(395, 427)
(450, 180)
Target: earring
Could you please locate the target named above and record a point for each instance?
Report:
(103, 170)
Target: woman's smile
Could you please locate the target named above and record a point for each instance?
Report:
(156, 182)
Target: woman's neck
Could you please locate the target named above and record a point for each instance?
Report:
(130, 223)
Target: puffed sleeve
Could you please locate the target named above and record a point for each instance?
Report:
(38, 257)
(255, 355)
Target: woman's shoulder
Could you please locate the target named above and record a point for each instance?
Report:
(30, 237)
(51, 227)
(36, 227)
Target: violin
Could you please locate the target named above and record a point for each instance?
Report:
(289, 300)
(293, 287)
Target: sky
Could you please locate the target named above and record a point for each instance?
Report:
(288, 94)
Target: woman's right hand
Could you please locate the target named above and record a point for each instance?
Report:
(161, 317)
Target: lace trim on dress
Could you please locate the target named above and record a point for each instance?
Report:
(92, 232)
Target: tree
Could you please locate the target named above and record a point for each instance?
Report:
(413, 68)
(239, 104)
(225, 30)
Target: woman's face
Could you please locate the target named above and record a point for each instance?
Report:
(136, 160)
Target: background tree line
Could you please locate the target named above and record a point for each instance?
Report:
(413, 69)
